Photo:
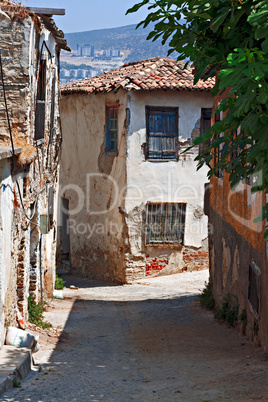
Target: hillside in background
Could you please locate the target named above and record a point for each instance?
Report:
(122, 38)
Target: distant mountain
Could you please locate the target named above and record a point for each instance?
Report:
(122, 38)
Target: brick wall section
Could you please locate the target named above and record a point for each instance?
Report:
(155, 265)
(194, 260)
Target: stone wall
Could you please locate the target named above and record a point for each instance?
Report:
(34, 170)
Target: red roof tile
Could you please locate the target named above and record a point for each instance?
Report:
(151, 74)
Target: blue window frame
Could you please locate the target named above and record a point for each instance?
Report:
(111, 128)
(162, 132)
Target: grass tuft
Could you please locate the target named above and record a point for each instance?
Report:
(206, 298)
(36, 311)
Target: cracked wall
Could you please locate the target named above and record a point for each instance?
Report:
(107, 194)
(94, 183)
(235, 242)
(165, 181)
(35, 168)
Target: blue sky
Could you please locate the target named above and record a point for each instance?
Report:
(85, 15)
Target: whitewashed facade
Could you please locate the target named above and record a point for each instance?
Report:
(108, 190)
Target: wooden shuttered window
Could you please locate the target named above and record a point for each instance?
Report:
(111, 128)
(40, 115)
(165, 223)
(162, 132)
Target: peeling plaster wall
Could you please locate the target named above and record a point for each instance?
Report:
(171, 181)
(235, 241)
(230, 256)
(7, 278)
(107, 194)
(35, 169)
(94, 184)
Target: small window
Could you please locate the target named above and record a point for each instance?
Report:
(51, 205)
(162, 132)
(111, 128)
(40, 111)
(52, 110)
(165, 223)
(41, 84)
(254, 287)
(205, 124)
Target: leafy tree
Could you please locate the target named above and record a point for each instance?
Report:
(227, 39)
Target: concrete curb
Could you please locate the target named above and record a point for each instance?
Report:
(15, 364)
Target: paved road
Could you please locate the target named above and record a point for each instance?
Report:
(145, 342)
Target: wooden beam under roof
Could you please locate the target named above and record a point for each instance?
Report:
(46, 11)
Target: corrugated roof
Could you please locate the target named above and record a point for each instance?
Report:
(150, 74)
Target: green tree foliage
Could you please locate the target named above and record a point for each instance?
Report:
(227, 38)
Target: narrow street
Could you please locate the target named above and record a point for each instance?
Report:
(144, 342)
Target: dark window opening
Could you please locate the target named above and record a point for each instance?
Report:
(52, 110)
(254, 287)
(205, 124)
(25, 185)
(111, 129)
(40, 102)
(50, 206)
(165, 223)
(41, 84)
(162, 133)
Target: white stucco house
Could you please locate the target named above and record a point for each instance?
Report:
(132, 201)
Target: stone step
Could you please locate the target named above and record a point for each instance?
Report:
(15, 364)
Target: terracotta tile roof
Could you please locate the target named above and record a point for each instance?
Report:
(155, 73)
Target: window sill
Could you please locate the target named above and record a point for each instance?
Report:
(162, 160)
(166, 245)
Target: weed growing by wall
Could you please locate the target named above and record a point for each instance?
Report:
(229, 311)
(35, 311)
(59, 283)
(206, 298)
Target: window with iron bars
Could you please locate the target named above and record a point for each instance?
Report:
(165, 223)
(162, 133)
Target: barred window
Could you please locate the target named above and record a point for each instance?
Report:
(162, 132)
(165, 223)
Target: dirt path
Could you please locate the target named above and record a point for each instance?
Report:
(144, 342)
